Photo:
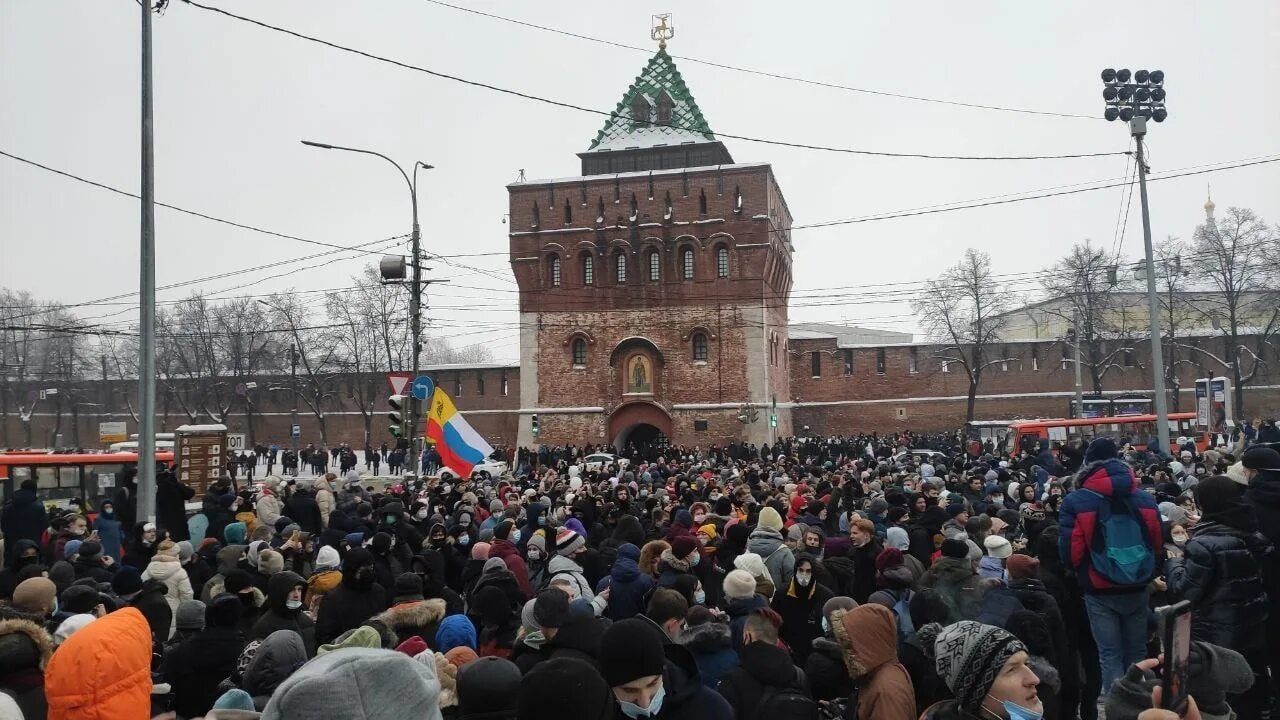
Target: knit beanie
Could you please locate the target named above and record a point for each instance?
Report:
(998, 546)
(968, 656)
(1261, 458)
(896, 537)
(79, 599)
(328, 558)
(739, 584)
(489, 688)
(955, 548)
(460, 656)
(709, 530)
(632, 649)
(35, 595)
(888, 557)
(551, 608)
(412, 646)
(234, 582)
(190, 615)
(235, 699)
(408, 588)
(127, 581)
(391, 685)
(683, 546)
(480, 551)
(223, 611)
(563, 688)
(364, 636)
(1103, 448)
(1022, 566)
(88, 550)
(568, 542)
(540, 542)
(502, 531)
(752, 563)
(1216, 494)
(839, 602)
(185, 551)
(769, 520)
(67, 628)
(270, 562)
(235, 533)
(71, 548)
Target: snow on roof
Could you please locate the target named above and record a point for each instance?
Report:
(638, 174)
(200, 428)
(658, 84)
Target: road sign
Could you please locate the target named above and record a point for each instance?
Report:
(235, 441)
(297, 431)
(423, 387)
(112, 432)
(399, 382)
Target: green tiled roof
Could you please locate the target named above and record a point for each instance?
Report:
(686, 125)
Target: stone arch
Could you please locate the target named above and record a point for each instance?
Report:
(627, 418)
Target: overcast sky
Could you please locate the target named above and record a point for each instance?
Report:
(232, 100)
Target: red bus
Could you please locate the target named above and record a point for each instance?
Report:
(61, 477)
(1132, 429)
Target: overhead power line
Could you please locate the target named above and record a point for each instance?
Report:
(764, 73)
(611, 114)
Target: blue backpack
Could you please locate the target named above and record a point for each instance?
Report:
(902, 612)
(1123, 557)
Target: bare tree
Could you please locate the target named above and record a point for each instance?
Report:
(245, 348)
(1171, 282)
(317, 352)
(1087, 282)
(1236, 257)
(963, 310)
(371, 332)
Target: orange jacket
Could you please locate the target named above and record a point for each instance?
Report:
(103, 671)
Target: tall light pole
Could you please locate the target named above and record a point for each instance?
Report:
(146, 497)
(1135, 102)
(293, 372)
(415, 292)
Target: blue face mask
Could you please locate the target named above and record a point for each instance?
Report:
(1017, 712)
(695, 559)
(634, 711)
(700, 597)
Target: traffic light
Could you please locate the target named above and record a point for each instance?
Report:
(773, 420)
(752, 414)
(397, 403)
(534, 420)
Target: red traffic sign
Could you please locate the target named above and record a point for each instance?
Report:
(399, 382)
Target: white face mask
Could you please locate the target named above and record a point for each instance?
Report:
(515, 535)
(421, 514)
(803, 579)
(535, 553)
(1179, 539)
(293, 604)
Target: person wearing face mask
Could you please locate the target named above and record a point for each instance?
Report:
(765, 674)
(356, 599)
(986, 669)
(503, 546)
(284, 611)
(646, 684)
(110, 534)
(26, 553)
(142, 546)
(800, 607)
(678, 559)
(74, 527)
(24, 518)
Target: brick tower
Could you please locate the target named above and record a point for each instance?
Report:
(654, 286)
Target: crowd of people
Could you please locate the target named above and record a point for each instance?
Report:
(832, 578)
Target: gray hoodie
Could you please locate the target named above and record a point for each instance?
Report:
(358, 684)
(777, 557)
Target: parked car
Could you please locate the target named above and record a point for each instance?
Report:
(600, 461)
(491, 468)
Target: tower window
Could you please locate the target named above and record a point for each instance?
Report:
(537, 216)
(568, 212)
(848, 361)
(880, 361)
(588, 270)
(621, 263)
(686, 264)
(1035, 358)
(664, 108)
(640, 110)
(913, 361)
(579, 352)
(479, 383)
(815, 364)
(722, 262)
(702, 202)
(699, 347)
(505, 385)
(457, 385)
(553, 270)
(655, 266)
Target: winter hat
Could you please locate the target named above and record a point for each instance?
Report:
(1216, 494)
(632, 649)
(71, 548)
(493, 563)
(955, 508)
(235, 699)
(839, 602)
(255, 549)
(888, 557)
(488, 689)
(968, 655)
(412, 646)
(127, 581)
(235, 581)
(752, 563)
(540, 542)
(896, 537)
(190, 615)
(185, 551)
(89, 550)
(480, 551)
(568, 542)
(35, 595)
(408, 588)
(502, 531)
(223, 611)
(390, 685)
(364, 636)
(456, 631)
(460, 656)
(328, 558)
(235, 533)
(998, 547)
(69, 626)
(739, 584)
(563, 688)
(683, 546)
(769, 520)
(79, 599)
(270, 562)
(551, 608)
(1103, 448)
(1261, 458)
(1022, 566)
(709, 530)
(955, 548)
(167, 547)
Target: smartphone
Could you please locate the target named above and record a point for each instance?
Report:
(1175, 640)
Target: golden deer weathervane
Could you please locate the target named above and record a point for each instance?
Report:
(662, 30)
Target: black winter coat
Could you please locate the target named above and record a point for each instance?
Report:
(195, 667)
(301, 507)
(825, 671)
(1263, 496)
(686, 697)
(356, 599)
(760, 665)
(801, 611)
(277, 616)
(23, 518)
(151, 602)
(171, 510)
(1220, 572)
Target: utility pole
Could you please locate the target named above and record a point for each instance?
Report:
(1134, 102)
(1079, 385)
(146, 497)
(293, 378)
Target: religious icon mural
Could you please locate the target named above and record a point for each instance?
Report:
(639, 375)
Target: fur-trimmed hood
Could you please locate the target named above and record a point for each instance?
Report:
(868, 637)
(447, 674)
(23, 645)
(706, 638)
(949, 570)
(412, 615)
(667, 560)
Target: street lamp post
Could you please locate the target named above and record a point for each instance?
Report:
(293, 374)
(415, 292)
(1135, 102)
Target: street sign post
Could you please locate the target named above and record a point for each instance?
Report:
(296, 431)
(399, 382)
(423, 387)
(235, 441)
(112, 432)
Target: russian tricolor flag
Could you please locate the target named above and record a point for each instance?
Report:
(461, 448)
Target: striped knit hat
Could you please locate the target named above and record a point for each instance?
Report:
(568, 542)
(968, 656)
